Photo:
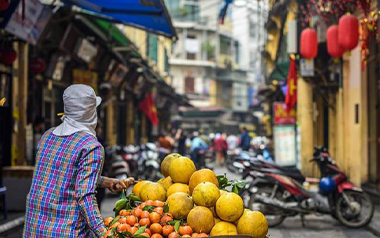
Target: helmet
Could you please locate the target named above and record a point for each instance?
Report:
(327, 185)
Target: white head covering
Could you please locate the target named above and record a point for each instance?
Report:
(80, 104)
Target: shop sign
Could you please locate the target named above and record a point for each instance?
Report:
(85, 50)
(285, 145)
(29, 26)
(307, 67)
(281, 116)
(87, 77)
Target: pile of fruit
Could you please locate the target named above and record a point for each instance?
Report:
(186, 203)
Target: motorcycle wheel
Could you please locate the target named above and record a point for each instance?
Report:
(269, 212)
(356, 214)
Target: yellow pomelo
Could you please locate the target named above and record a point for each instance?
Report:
(203, 175)
(206, 194)
(200, 219)
(181, 169)
(166, 182)
(229, 207)
(166, 163)
(137, 187)
(223, 228)
(180, 204)
(253, 223)
(177, 187)
(152, 191)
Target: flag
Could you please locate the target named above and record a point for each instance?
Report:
(148, 107)
(291, 92)
(223, 11)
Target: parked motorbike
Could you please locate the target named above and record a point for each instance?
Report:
(279, 196)
(117, 166)
(131, 156)
(149, 162)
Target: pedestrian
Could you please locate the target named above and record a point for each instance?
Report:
(197, 144)
(245, 141)
(220, 148)
(61, 201)
(232, 142)
(181, 138)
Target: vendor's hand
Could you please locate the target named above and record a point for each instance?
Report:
(114, 185)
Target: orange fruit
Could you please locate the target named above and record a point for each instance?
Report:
(144, 214)
(142, 205)
(108, 233)
(131, 220)
(137, 212)
(148, 231)
(115, 224)
(107, 221)
(173, 235)
(203, 235)
(144, 222)
(156, 228)
(158, 203)
(133, 230)
(123, 220)
(166, 218)
(145, 234)
(149, 203)
(195, 234)
(185, 230)
(154, 217)
(122, 227)
(166, 230)
(124, 213)
(159, 210)
(156, 236)
(186, 236)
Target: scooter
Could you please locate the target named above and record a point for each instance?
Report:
(279, 196)
(117, 167)
(149, 162)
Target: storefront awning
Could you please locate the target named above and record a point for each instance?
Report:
(280, 71)
(149, 15)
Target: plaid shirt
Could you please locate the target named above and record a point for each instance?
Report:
(61, 201)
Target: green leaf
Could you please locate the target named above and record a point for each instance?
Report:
(235, 189)
(166, 208)
(116, 219)
(172, 222)
(149, 208)
(176, 226)
(140, 230)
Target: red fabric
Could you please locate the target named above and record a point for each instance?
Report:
(220, 144)
(148, 107)
(291, 94)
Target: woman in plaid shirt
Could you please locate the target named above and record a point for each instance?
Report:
(69, 160)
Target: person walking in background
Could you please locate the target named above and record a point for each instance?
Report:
(197, 144)
(220, 148)
(69, 160)
(245, 142)
(232, 142)
(181, 138)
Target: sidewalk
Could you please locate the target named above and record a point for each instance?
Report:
(12, 226)
(374, 226)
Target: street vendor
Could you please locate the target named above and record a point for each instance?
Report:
(69, 160)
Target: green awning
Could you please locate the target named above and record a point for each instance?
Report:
(280, 71)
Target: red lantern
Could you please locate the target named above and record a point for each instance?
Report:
(4, 4)
(348, 35)
(37, 65)
(309, 43)
(333, 47)
(8, 56)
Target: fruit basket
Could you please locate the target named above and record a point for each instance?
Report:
(185, 203)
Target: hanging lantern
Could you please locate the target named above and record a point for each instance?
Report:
(309, 43)
(348, 35)
(8, 56)
(37, 65)
(333, 47)
(4, 4)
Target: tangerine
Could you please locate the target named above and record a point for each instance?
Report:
(149, 203)
(173, 235)
(166, 230)
(115, 224)
(107, 221)
(158, 203)
(186, 236)
(123, 220)
(145, 234)
(156, 228)
(144, 222)
(203, 235)
(137, 212)
(154, 217)
(185, 230)
(156, 235)
(147, 230)
(144, 214)
(124, 213)
(159, 210)
(142, 205)
(131, 220)
(195, 234)
(122, 227)
(166, 218)
(133, 230)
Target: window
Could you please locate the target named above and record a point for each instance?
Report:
(225, 45)
(189, 85)
(192, 47)
(152, 47)
(166, 61)
(237, 52)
